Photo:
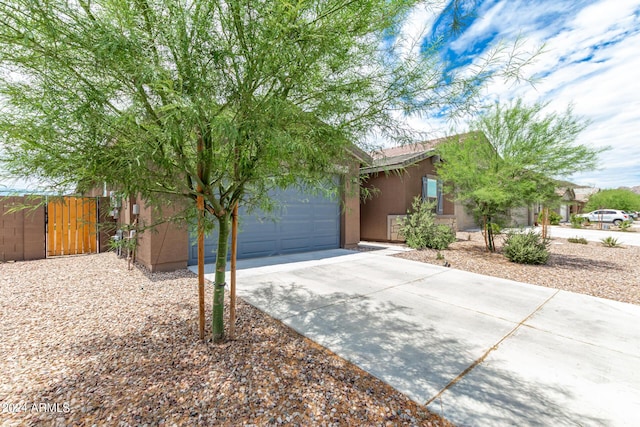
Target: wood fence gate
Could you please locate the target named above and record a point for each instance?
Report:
(72, 226)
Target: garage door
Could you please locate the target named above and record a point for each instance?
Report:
(304, 223)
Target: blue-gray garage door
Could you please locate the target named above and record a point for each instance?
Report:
(304, 223)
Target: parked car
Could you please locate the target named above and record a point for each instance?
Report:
(606, 215)
(634, 215)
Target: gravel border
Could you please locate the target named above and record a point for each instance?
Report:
(85, 342)
(591, 269)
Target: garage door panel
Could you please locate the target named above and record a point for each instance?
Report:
(304, 223)
(297, 243)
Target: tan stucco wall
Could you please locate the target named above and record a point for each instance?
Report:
(464, 220)
(393, 193)
(166, 247)
(350, 214)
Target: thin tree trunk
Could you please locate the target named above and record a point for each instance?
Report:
(484, 226)
(217, 321)
(490, 235)
(201, 265)
(234, 250)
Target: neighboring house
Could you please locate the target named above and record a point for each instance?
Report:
(582, 197)
(306, 222)
(396, 176)
(572, 200)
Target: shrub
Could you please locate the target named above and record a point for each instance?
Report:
(580, 240)
(554, 217)
(526, 248)
(610, 242)
(576, 221)
(626, 225)
(421, 231)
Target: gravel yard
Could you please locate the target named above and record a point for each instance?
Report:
(87, 342)
(592, 269)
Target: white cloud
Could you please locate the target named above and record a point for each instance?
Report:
(591, 62)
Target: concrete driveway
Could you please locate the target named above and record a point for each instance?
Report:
(480, 351)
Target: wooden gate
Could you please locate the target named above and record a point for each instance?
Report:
(72, 226)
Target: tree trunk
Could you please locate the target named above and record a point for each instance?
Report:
(200, 266)
(234, 250)
(484, 227)
(217, 321)
(492, 247)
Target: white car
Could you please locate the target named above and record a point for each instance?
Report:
(606, 215)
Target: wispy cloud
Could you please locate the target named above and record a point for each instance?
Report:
(591, 61)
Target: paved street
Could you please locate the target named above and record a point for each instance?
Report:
(624, 237)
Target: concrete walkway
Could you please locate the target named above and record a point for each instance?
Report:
(481, 351)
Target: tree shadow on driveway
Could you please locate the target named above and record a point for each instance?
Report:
(421, 359)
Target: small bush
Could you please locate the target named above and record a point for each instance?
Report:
(526, 248)
(554, 217)
(576, 221)
(610, 242)
(580, 240)
(626, 225)
(421, 231)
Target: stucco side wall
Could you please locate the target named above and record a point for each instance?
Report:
(393, 194)
(166, 247)
(350, 215)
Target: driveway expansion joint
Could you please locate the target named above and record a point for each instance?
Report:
(490, 350)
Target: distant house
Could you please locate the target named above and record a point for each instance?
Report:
(582, 194)
(572, 200)
(396, 176)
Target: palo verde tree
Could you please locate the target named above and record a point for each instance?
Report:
(511, 159)
(219, 100)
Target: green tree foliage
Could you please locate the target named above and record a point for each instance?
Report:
(511, 158)
(554, 217)
(223, 99)
(420, 229)
(621, 199)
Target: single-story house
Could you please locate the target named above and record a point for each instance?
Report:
(306, 222)
(396, 176)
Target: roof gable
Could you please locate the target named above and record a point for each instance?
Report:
(399, 157)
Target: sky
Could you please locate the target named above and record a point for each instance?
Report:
(591, 60)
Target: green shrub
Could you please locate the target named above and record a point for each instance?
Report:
(610, 242)
(421, 231)
(626, 225)
(526, 248)
(580, 240)
(554, 217)
(576, 221)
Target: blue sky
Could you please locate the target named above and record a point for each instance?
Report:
(592, 61)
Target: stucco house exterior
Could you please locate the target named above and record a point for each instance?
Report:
(305, 222)
(396, 176)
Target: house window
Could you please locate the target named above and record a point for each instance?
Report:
(432, 192)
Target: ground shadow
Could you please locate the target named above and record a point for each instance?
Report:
(418, 359)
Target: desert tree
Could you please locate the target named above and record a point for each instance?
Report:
(512, 157)
(176, 101)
